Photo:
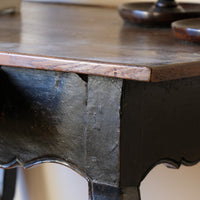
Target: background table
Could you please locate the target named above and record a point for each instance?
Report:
(129, 101)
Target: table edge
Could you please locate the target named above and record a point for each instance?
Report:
(114, 70)
(175, 71)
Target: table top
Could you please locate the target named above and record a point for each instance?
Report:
(93, 40)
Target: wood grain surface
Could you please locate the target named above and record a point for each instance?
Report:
(159, 124)
(93, 40)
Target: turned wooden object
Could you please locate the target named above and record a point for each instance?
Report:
(188, 30)
(161, 13)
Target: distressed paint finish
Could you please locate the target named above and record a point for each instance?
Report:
(39, 115)
(63, 116)
(86, 120)
(75, 118)
(106, 192)
(159, 124)
(103, 129)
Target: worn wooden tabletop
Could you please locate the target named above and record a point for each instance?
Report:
(93, 40)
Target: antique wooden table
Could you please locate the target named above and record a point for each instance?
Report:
(81, 88)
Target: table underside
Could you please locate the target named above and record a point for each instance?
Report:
(86, 122)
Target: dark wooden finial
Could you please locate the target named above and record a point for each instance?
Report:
(166, 3)
(166, 6)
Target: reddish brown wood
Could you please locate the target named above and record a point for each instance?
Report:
(92, 40)
(187, 30)
(78, 66)
(160, 14)
(175, 71)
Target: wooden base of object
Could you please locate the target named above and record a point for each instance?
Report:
(188, 29)
(148, 14)
(11, 5)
